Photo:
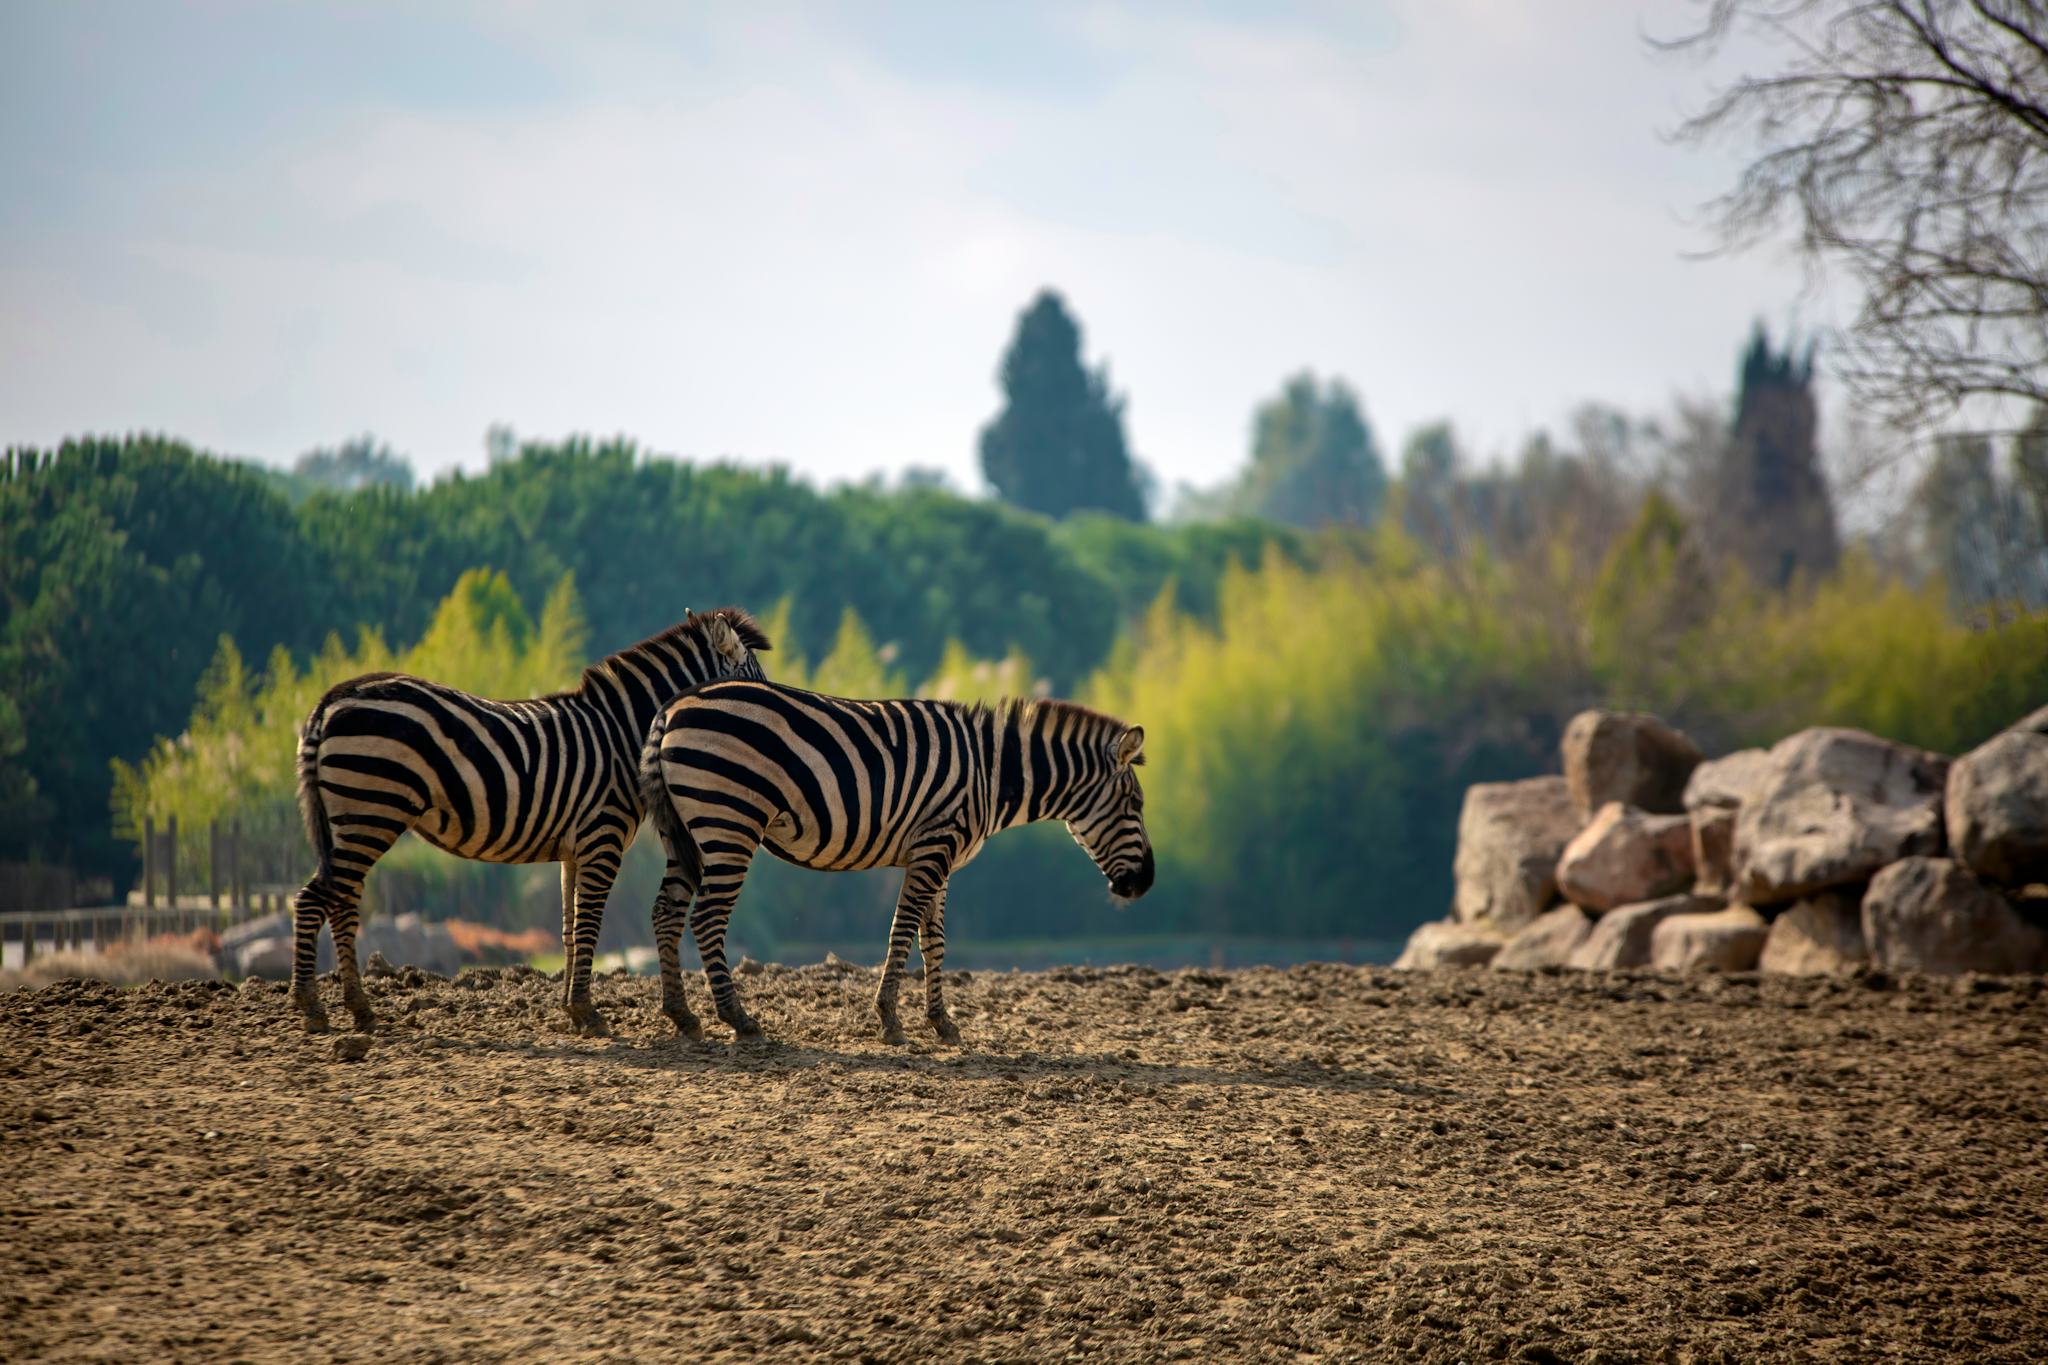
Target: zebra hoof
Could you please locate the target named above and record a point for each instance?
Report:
(686, 1024)
(892, 1032)
(314, 1019)
(943, 1025)
(744, 1025)
(366, 1019)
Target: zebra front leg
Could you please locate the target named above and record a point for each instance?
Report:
(596, 869)
(726, 858)
(931, 945)
(921, 883)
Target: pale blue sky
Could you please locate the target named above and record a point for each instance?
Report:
(802, 233)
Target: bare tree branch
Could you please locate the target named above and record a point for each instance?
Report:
(1907, 142)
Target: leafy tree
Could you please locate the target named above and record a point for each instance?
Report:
(1769, 503)
(121, 563)
(1058, 444)
(1313, 461)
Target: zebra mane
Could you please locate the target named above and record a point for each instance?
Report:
(1028, 713)
(689, 630)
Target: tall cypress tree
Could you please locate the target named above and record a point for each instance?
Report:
(1058, 444)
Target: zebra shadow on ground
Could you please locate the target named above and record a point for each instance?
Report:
(771, 1056)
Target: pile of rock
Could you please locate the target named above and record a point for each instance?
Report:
(1831, 849)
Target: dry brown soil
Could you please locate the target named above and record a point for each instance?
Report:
(1121, 1164)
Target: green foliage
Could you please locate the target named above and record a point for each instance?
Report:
(1058, 445)
(121, 564)
(236, 759)
(1308, 752)
(1313, 460)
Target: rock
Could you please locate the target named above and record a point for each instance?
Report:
(1621, 938)
(747, 966)
(1833, 807)
(1626, 756)
(2035, 724)
(351, 1047)
(1509, 837)
(1997, 808)
(1819, 936)
(271, 957)
(1726, 781)
(1626, 857)
(1730, 940)
(1932, 915)
(1546, 941)
(1447, 943)
(378, 966)
(1713, 850)
(412, 942)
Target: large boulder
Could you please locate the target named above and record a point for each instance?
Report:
(1997, 808)
(1730, 940)
(1546, 941)
(1626, 856)
(1621, 938)
(1932, 915)
(408, 941)
(2035, 724)
(1726, 781)
(1509, 837)
(1713, 850)
(1625, 756)
(1819, 936)
(1448, 943)
(1832, 807)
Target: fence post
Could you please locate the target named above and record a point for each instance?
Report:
(148, 861)
(240, 892)
(28, 939)
(171, 864)
(213, 867)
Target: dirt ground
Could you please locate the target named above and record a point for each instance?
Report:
(1120, 1164)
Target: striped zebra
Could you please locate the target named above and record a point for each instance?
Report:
(841, 785)
(549, 779)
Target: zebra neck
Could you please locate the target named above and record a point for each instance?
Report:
(1025, 783)
(631, 687)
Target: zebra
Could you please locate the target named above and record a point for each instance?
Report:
(835, 784)
(548, 779)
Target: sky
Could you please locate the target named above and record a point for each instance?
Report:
(801, 234)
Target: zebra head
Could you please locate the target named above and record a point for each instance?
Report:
(1111, 821)
(735, 640)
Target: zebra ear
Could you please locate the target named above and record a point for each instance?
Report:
(1130, 746)
(726, 641)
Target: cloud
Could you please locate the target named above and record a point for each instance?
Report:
(792, 235)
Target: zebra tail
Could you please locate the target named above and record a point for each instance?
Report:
(676, 838)
(311, 808)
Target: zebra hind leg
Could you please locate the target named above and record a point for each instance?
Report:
(309, 912)
(725, 868)
(671, 907)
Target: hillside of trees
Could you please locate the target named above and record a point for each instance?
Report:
(1319, 681)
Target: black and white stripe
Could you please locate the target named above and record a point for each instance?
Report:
(549, 779)
(839, 785)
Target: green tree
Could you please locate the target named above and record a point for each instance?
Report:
(121, 565)
(1313, 460)
(1058, 444)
